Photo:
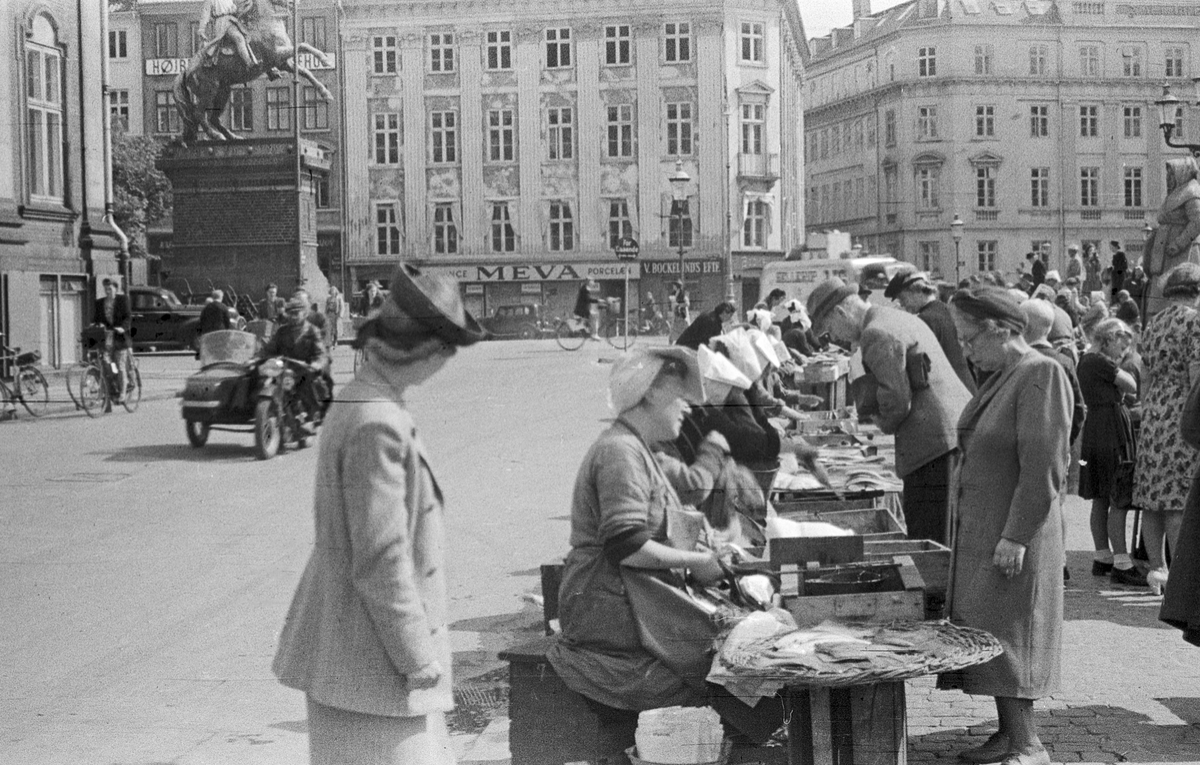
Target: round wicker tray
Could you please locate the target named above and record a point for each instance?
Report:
(946, 648)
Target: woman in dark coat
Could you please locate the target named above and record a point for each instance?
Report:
(1007, 546)
(706, 326)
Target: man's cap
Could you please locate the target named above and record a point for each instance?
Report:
(825, 297)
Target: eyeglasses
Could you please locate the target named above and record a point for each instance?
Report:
(969, 342)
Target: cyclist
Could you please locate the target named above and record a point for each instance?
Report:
(650, 312)
(587, 302)
(112, 313)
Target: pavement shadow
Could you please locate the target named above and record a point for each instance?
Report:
(1096, 598)
(180, 453)
(1183, 707)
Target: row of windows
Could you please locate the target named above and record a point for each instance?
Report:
(851, 199)
(676, 46)
(164, 38)
(1040, 61)
(241, 112)
(849, 135)
(927, 181)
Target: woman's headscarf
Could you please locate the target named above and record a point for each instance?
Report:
(634, 373)
(798, 313)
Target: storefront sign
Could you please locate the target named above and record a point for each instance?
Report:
(165, 66)
(542, 272)
(312, 63)
(671, 267)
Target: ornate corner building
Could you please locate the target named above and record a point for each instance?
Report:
(1034, 121)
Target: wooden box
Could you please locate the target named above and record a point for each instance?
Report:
(824, 551)
(902, 596)
(931, 558)
(864, 725)
(806, 505)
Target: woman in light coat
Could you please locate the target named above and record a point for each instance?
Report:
(366, 637)
(1007, 546)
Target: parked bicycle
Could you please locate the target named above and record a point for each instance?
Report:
(100, 383)
(29, 386)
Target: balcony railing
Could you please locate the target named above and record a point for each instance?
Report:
(987, 215)
(1137, 214)
(1090, 215)
(764, 166)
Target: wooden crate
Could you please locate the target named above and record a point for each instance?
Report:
(902, 597)
(864, 725)
(806, 505)
(931, 558)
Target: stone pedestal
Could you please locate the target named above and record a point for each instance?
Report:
(244, 217)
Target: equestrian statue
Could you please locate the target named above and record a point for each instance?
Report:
(243, 40)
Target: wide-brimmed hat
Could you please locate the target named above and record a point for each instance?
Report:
(717, 368)
(634, 373)
(901, 282)
(825, 297)
(422, 305)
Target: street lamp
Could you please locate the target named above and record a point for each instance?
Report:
(679, 183)
(1168, 105)
(956, 231)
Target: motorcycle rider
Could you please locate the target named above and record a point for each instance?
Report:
(298, 339)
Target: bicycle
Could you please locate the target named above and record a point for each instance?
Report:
(29, 385)
(572, 332)
(100, 383)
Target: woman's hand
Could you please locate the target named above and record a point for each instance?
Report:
(1009, 557)
(707, 569)
(425, 677)
(718, 440)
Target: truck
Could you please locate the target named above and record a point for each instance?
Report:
(798, 277)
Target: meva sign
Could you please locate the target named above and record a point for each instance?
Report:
(541, 272)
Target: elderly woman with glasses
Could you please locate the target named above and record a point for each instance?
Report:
(1007, 542)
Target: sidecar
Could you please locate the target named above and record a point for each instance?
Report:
(221, 395)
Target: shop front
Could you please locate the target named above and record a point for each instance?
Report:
(704, 279)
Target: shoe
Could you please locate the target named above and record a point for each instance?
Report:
(594, 337)
(1156, 580)
(994, 749)
(1130, 577)
(1040, 757)
(1100, 568)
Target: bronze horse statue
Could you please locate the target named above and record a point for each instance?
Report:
(202, 90)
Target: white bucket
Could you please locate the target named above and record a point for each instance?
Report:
(679, 736)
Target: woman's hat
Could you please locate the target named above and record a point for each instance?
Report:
(764, 348)
(901, 282)
(634, 373)
(375, 283)
(759, 317)
(715, 367)
(420, 305)
(1183, 279)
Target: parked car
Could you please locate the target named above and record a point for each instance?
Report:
(162, 320)
(522, 320)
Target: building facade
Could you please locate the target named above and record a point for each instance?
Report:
(1034, 122)
(152, 43)
(54, 242)
(512, 144)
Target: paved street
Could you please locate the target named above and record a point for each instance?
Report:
(145, 581)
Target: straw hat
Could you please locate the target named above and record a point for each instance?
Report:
(421, 305)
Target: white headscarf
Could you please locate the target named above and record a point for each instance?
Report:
(634, 372)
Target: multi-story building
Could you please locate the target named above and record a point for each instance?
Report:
(512, 144)
(53, 238)
(160, 36)
(1032, 121)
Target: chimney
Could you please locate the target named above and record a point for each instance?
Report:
(862, 8)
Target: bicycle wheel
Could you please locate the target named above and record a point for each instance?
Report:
(93, 392)
(620, 334)
(74, 377)
(133, 390)
(33, 391)
(569, 338)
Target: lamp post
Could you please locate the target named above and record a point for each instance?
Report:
(679, 182)
(956, 233)
(1167, 108)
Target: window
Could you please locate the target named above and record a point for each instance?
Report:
(165, 39)
(677, 42)
(835, 141)
(1133, 121)
(927, 123)
(1133, 187)
(499, 53)
(930, 257)
(823, 141)
(445, 233)
(387, 228)
(312, 31)
(279, 108)
(316, 110)
(616, 45)
(118, 44)
(383, 54)
(889, 128)
(44, 112)
(1039, 187)
(387, 138)
(858, 133)
(620, 130)
(441, 52)
(504, 236)
(986, 251)
(558, 48)
(679, 129)
(166, 119)
(562, 227)
(1039, 121)
(1089, 60)
(500, 135)
(619, 225)
(195, 42)
(443, 135)
(870, 123)
(321, 189)
(753, 122)
(1173, 61)
(752, 42)
(1089, 121)
(754, 228)
(679, 224)
(1131, 61)
(118, 108)
(1089, 187)
(983, 59)
(1178, 132)
(985, 186)
(560, 133)
(985, 121)
(1038, 56)
(241, 108)
(926, 62)
(928, 183)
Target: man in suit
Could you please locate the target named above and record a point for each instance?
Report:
(216, 315)
(917, 395)
(272, 309)
(112, 313)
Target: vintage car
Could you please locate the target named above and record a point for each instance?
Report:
(161, 320)
(522, 320)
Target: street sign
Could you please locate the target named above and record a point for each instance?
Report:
(627, 249)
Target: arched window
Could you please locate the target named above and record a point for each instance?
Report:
(43, 112)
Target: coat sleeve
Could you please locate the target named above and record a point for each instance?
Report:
(693, 483)
(1043, 425)
(379, 522)
(884, 355)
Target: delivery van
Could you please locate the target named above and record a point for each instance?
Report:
(798, 277)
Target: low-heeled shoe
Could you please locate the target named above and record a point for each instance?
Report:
(989, 752)
(1128, 576)
(1041, 757)
(1100, 568)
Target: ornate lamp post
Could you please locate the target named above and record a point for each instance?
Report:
(679, 183)
(1168, 105)
(956, 233)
